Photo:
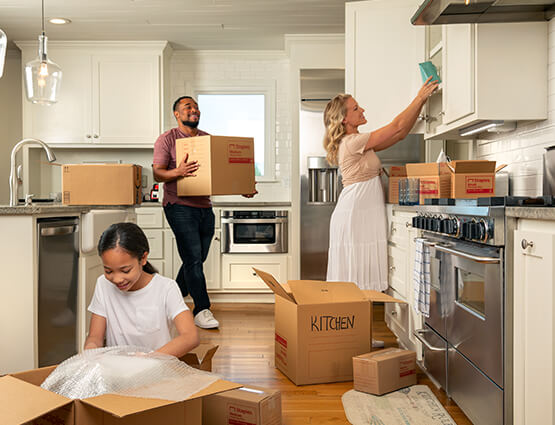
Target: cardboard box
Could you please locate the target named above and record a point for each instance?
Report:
(319, 327)
(243, 406)
(472, 179)
(435, 179)
(226, 165)
(200, 357)
(101, 184)
(22, 400)
(396, 173)
(384, 371)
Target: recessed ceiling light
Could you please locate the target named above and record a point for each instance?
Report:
(59, 21)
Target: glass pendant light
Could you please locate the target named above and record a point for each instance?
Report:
(42, 76)
(3, 48)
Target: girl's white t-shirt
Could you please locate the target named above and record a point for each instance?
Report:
(143, 317)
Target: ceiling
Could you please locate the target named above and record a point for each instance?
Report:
(187, 24)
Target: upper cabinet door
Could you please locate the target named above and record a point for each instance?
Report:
(126, 99)
(458, 84)
(68, 120)
(383, 50)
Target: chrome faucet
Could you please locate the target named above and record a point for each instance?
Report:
(14, 182)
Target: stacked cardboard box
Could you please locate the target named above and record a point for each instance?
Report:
(396, 173)
(435, 179)
(472, 179)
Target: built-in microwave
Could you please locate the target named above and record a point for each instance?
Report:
(254, 231)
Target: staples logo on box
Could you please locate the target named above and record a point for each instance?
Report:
(240, 153)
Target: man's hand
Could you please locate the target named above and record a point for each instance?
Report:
(187, 169)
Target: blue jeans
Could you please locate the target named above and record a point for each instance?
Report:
(193, 229)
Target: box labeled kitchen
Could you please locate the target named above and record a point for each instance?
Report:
(22, 400)
(383, 371)
(435, 179)
(319, 327)
(226, 165)
(101, 184)
(246, 405)
(472, 179)
(396, 173)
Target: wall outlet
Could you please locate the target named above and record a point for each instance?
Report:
(144, 181)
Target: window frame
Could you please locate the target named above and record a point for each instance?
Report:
(267, 88)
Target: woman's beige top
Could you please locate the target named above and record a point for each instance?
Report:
(357, 165)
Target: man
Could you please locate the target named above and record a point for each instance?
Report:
(190, 217)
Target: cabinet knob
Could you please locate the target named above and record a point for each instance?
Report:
(88, 136)
(407, 224)
(393, 229)
(216, 238)
(254, 273)
(96, 136)
(393, 313)
(526, 244)
(391, 268)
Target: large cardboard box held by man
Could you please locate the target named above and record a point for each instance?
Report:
(101, 184)
(248, 405)
(435, 179)
(320, 327)
(383, 371)
(22, 400)
(226, 165)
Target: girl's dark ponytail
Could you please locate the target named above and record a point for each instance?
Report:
(130, 238)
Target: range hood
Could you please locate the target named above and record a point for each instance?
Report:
(438, 12)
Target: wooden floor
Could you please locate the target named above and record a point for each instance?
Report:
(246, 356)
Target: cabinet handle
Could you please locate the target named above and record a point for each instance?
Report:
(216, 238)
(96, 136)
(407, 224)
(525, 244)
(393, 313)
(253, 273)
(391, 268)
(88, 136)
(393, 229)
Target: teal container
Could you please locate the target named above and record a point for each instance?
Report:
(428, 69)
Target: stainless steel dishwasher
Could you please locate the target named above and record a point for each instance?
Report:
(57, 288)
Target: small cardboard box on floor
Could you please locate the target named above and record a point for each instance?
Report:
(101, 184)
(22, 400)
(320, 327)
(246, 405)
(473, 179)
(226, 165)
(435, 179)
(383, 371)
(396, 173)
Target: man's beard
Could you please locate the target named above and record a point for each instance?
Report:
(192, 124)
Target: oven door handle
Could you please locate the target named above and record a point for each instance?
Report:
(417, 333)
(476, 258)
(254, 221)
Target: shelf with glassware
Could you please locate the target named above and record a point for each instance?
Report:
(483, 85)
(112, 94)
(402, 319)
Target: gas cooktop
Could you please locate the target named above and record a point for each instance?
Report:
(495, 201)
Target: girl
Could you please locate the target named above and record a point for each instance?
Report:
(132, 304)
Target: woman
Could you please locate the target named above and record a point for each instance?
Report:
(358, 226)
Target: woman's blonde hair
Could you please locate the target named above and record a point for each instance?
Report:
(334, 114)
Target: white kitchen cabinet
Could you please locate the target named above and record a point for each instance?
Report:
(534, 323)
(238, 273)
(481, 67)
(91, 268)
(112, 94)
(402, 319)
(382, 52)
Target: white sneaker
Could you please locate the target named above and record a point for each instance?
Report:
(376, 343)
(206, 320)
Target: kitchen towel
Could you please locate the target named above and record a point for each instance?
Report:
(421, 278)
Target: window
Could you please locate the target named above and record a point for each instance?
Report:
(242, 110)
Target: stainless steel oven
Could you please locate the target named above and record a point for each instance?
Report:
(254, 231)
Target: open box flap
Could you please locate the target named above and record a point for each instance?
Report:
(375, 296)
(274, 285)
(426, 169)
(200, 355)
(120, 405)
(21, 401)
(473, 166)
(321, 292)
(35, 376)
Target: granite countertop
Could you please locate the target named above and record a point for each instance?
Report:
(537, 213)
(56, 208)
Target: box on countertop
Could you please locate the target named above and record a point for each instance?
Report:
(473, 178)
(383, 371)
(226, 165)
(22, 400)
(319, 327)
(101, 184)
(435, 179)
(246, 405)
(396, 173)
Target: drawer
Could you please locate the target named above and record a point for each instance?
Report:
(399, 233)
(238, 273)
(155, 242)
(397, 315)
(397, 263)
(149, 217)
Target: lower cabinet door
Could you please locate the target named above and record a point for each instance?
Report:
(238, 273)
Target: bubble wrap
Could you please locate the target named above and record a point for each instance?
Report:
(127, 370)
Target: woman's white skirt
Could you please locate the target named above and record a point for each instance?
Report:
(358, 236)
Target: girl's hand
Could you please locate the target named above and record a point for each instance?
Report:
(427, 89)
